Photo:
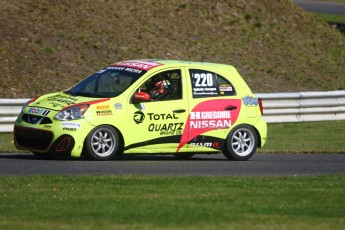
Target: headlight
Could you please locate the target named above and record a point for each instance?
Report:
(72, 113)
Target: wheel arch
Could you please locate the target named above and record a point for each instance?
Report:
(120, 135)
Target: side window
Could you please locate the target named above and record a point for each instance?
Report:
(163, 86)
(209, 84)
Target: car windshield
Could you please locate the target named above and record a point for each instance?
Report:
(108, 82)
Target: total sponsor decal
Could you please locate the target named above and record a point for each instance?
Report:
(143, 65)
(166, 128)
(208, 116)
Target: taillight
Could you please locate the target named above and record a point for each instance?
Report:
(261, 107)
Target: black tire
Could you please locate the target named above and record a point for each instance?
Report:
(183, 156)
(241, 143)
(102, 143)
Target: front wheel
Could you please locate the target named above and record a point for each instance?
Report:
(241, 143)
(102, 143)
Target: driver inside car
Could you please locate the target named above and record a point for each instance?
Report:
(158, 88)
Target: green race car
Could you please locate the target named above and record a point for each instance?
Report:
(146, 107)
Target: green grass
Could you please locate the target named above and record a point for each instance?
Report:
(307, 137)
(143, 202)
(331, 17)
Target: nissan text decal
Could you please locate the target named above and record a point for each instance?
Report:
(208, 116)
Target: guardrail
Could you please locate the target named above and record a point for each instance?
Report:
(9, 110)
(303, 106)
(278, 107)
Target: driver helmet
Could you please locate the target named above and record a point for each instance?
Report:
(159, 88)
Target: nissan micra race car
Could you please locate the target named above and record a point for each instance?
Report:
(146, 107)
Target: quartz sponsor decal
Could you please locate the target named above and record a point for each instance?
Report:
(210, 115)
(167, 128)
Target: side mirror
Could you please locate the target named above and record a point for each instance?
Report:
(141, 97)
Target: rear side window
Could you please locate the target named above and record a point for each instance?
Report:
(209, 84)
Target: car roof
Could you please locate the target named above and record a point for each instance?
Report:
(147, 64)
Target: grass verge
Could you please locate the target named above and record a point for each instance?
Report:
(331, 17)
(307, 137)
(145, 202)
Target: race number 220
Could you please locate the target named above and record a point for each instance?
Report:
(203, 79)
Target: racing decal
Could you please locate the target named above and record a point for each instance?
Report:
(118, 106)
(168, 127)
(102, 107)
(104, 113)
(204, 84)
(206, 141)
(138, 64)
(103, 110)
(39, 111)
(139, 117)
(160, 140)
(224, 88)
(61, 100)
(74, 125)
(210, 115)
(250, 101)
(88, 102)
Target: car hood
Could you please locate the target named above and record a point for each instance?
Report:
(60, 100)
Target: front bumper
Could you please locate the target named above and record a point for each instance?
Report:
(42, 141)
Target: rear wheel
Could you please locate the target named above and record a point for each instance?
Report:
(102, 143)
(241, 143)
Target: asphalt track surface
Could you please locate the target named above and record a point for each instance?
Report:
(322, 7)
(166, 165)
(206, 165)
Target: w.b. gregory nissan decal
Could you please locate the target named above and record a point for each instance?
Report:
(210, 115)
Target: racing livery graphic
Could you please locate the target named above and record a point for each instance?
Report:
(146, 107)
(210, 115)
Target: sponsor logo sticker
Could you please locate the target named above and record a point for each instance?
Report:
(68, 124)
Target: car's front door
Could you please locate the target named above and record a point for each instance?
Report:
(157, 124)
